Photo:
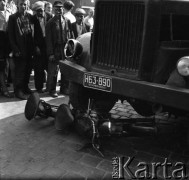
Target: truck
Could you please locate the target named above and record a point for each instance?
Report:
(139, 52)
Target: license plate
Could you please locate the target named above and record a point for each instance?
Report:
(96, 81)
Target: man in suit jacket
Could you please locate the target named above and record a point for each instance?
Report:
(58, 31)
(20, 29)
(79, 27)
(40, 20)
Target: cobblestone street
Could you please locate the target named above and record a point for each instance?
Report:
(36, 150)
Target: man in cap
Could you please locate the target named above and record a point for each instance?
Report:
(11, 7)
(58, 31)
(40, 20)
(79, 27)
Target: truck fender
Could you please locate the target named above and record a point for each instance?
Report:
(84, 59)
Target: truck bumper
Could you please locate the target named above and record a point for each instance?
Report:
(156, 93)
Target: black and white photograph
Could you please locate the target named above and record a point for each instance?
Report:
(94, 89)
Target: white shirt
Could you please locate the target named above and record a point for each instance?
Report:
(70, 16)
(4, 16)
(89, 21)
(30, 11)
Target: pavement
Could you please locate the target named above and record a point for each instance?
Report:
(36, 150)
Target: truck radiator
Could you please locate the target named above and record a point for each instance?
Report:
(118, 35)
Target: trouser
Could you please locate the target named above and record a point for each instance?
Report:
(3, 54)
(23, 67)
(64, 84)
(2, 74)
(53, 68)
(11, 75)
(40, 65)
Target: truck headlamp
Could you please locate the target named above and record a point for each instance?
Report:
(73, 48)
(183, 66)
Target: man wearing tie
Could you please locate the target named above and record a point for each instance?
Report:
(58, 31)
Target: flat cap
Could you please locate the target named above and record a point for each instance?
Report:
(58, 4)
(38, 5)
(80, 11)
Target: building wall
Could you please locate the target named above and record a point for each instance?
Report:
(78, 3)
(89, 3)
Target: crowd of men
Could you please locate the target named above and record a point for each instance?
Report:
(34, 39)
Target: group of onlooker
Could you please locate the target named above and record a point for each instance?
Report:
(34, 39)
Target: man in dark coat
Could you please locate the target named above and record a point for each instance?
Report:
(40, 20)
(20, 29)
(58, 31)
(79, 27)
(4, 46)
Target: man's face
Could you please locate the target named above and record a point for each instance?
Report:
(58, 10)
(40, 12)
(22, 5)
(3, 4)
(48, 8)
(79, 18)
(91, 13)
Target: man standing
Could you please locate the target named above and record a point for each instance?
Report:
(4, 48)
(20, 29)
(11, 7)
(48, 7)
(79, 27)
(89, 20)
(68, 7)
(58, 31)
(10, 68)
(40, 20)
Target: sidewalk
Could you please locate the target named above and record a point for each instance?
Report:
(35, 150)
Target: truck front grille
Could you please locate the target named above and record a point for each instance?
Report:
(118, 35)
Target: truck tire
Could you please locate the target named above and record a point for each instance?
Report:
(79, 97)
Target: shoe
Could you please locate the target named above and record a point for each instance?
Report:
(54, 95)
(40, 91)
(64, 91)
(27, 90)
(7, 94)
(21, 95)
(46, 90)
